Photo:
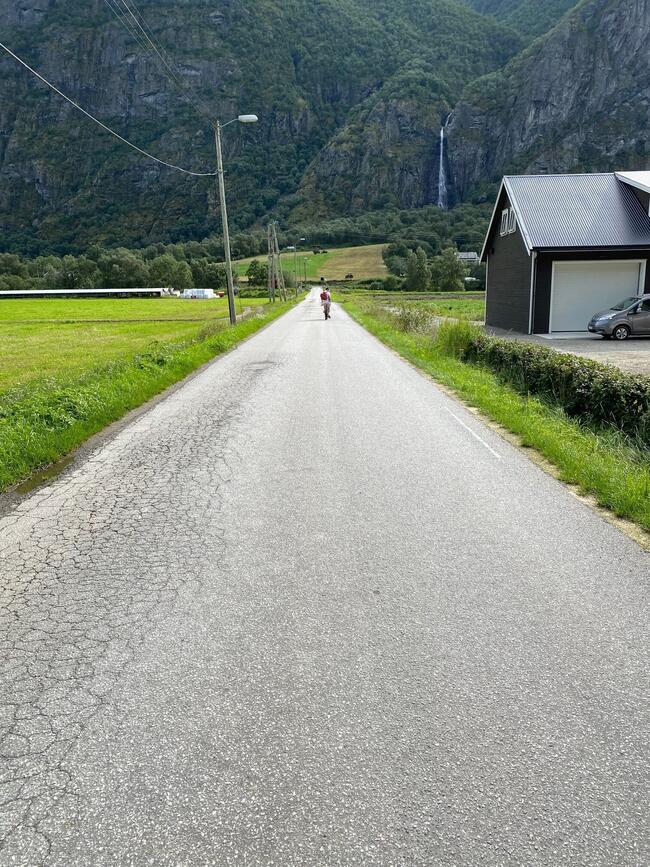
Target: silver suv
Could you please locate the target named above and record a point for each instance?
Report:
(630, 316)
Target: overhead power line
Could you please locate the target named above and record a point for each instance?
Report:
(117, 12)
(137, 27)
(103, 125)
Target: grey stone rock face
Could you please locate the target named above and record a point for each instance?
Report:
(62, 180)
(389, 156)
(576, 100)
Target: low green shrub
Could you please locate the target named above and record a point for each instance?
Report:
(455, 338)
(414, 317)
(583, 388)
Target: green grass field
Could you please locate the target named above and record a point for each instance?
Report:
(73, 388)
(364, 262)
(113, 309)
(458, 308)
(47, 336)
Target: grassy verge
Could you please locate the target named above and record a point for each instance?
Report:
(459, 308)
(46, 418)
(601, 462)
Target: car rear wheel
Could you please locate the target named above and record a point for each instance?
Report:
(621, 332)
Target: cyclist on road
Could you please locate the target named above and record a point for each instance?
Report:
(326, 302)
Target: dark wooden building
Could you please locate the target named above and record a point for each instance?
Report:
(562, 247)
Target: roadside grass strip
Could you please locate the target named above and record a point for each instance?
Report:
(458, 308)
(600, 461)
(45, 419)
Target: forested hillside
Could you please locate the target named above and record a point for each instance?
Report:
(530, 17)
(351, 96)
(301, 66)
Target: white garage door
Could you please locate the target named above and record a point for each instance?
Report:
(581, 289)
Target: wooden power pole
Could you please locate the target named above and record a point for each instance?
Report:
(276, 276)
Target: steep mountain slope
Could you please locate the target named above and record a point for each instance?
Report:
(303, 67)
(579, 99)
(387, 155)
(528, 16)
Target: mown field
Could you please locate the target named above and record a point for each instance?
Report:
(365, 263)
(67, 373)
(58, 336)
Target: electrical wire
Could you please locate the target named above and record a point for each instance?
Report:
(115, 9)
(167, 68)
(130, 6)
(103, 125)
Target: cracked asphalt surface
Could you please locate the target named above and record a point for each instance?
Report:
(309, 610)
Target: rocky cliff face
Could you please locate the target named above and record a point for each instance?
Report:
(303, 67)
(351, 96)
(388, 154)
(579, 99)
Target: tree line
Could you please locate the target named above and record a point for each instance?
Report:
(445, 272)
(115, 269)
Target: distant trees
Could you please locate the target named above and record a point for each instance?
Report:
(258, 273)
(421, 248)
(394, 256)
(208, 275)
(442, 273)
(448, 273)
(418, 274)
(122, 269)
(73, 272)
(166, 270)
(12, 265)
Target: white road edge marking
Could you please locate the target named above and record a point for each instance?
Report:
(474, 434)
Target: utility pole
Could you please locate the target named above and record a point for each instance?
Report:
(224, 224)
(276, 277)
(242, 118)
(271, 264)
(296, 277)
(295, 269)
(280, 274)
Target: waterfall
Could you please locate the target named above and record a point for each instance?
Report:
(443, 198)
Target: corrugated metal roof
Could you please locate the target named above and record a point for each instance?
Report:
(558, 211)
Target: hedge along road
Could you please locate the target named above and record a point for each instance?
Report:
(310, 610)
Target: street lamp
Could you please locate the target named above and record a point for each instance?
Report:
(294, 250)
(242, 118)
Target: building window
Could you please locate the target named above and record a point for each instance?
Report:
(504, 221)
(512, 225)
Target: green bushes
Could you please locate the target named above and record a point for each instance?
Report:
(416, 318)
(583, 388)
(455, 338)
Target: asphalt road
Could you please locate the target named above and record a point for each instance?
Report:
(308, 610)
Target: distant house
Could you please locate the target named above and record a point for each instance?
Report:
(469, 259)
(562, 247)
